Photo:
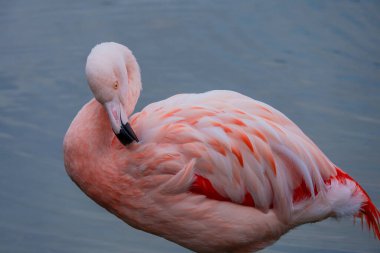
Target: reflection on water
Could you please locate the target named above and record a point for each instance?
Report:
(317, 61)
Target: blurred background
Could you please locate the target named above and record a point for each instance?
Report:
(316, 61)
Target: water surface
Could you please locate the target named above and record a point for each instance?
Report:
(316, 61)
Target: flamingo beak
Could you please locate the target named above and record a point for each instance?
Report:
(119, 123)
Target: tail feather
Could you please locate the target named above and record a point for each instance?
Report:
(368, 210)
(371, 214)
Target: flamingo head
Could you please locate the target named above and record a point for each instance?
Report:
(114, 78)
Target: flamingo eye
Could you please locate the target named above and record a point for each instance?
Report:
(116, 85)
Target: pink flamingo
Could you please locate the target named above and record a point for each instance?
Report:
(213, 172)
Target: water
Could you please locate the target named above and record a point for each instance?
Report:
(316, 61)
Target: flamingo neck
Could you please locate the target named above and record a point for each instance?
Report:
(134, 82)
(94, 164)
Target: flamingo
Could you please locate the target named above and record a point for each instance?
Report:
(213, 172)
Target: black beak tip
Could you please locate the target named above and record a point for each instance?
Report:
(126, 135)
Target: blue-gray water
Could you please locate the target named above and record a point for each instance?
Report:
(316, 61)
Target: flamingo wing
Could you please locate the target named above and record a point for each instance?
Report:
(245, 151)
(229, 147)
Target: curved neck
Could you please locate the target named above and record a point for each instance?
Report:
(93, 162)
(134, 82)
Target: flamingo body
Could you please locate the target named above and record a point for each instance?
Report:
(213, 172)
